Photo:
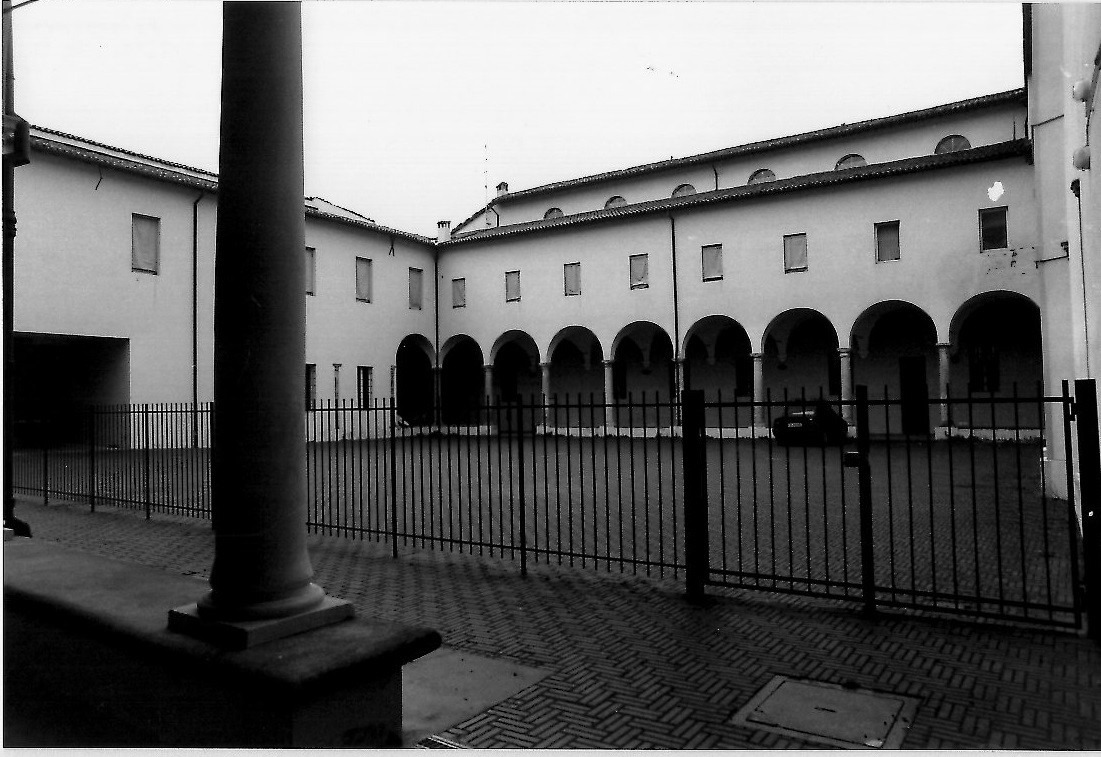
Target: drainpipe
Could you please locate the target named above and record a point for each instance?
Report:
(676, 313)
(195, 320)
(1076, 188)
(443, 235)
(716, 172)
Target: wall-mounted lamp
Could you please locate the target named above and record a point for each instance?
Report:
(1082, 90)
(1081, 159)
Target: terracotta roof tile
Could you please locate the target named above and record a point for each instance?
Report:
(1001, 151)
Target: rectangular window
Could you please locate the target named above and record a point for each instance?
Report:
(712, 262)
(571, 274)
(993, 229)
(363, 279)
(145, 239)
(458, 293)
(365, 385)
(416, 288)
(640, 271)
(886, 242)
(512, 286)
(311, 386)
(795, 253)
(311, 270)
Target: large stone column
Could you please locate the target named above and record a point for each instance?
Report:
(846, 356)
(759, 388)
(944, 376)
(261, 568)
(609, 393)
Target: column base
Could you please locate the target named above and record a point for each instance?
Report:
(243, 634)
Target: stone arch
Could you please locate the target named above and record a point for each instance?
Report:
(996, 350)
(643, 370)
(799, 355)
(894, 347)
(461, 380)
(414, 385)
(515, 360)
(575, 361)
(718, 358)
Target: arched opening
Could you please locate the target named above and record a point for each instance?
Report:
(576, 378)
(718, 360)
(643, 373)
(800, 358)
(996, 352)
(516, 368)
(461, 380)
(895, 355)
(413, 383)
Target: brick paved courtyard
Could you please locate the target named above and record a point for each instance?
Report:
(632, 665)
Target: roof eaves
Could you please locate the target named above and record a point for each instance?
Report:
(137, 167)
(830, 132)
(152, 170)
(369, 225)
(1003, 150)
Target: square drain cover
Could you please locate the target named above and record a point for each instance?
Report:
(826, 713)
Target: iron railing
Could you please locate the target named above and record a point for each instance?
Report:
(959, 518)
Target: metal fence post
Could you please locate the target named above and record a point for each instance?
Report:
(45, 463)
(864, 477)
(693, 459)
(520, 483)
(148, 463)
(393, 478)
(1089, 472)
(92, 459)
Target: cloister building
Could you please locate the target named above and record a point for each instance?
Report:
(920, 253)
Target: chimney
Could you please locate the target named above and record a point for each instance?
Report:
(502, 188)
(443, 233)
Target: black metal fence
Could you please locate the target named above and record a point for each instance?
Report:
(964, 518)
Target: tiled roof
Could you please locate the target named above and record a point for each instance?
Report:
(1001, 151)
(1010, 96)
(76, 148)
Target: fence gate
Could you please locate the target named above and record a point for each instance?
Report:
(963, 520)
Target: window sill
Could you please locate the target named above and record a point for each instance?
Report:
(713, 278)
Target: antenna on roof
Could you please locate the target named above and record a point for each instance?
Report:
(485, 178)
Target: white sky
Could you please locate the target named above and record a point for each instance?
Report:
(413, 108)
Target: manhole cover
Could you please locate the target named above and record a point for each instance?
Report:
(826, 713)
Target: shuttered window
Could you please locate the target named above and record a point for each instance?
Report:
(640, 271)
(795, 253)
(363, 279)
(571, 274)
(145, 251)
(416, 288)
(712, 262)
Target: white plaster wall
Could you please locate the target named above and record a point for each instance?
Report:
(73, 268)
(940, 268)
(340, 328)
(606, 303)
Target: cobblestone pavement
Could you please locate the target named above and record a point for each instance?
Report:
(633, 665)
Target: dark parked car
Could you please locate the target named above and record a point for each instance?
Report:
(814, 424)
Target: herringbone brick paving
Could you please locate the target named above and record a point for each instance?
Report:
(633, 665)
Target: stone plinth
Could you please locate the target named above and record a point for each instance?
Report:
(89, 631)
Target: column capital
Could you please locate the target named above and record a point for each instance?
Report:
(545, 366)
(844, 351)
(607, 363)
(487, 367)
(944, 345)
(757, 355)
